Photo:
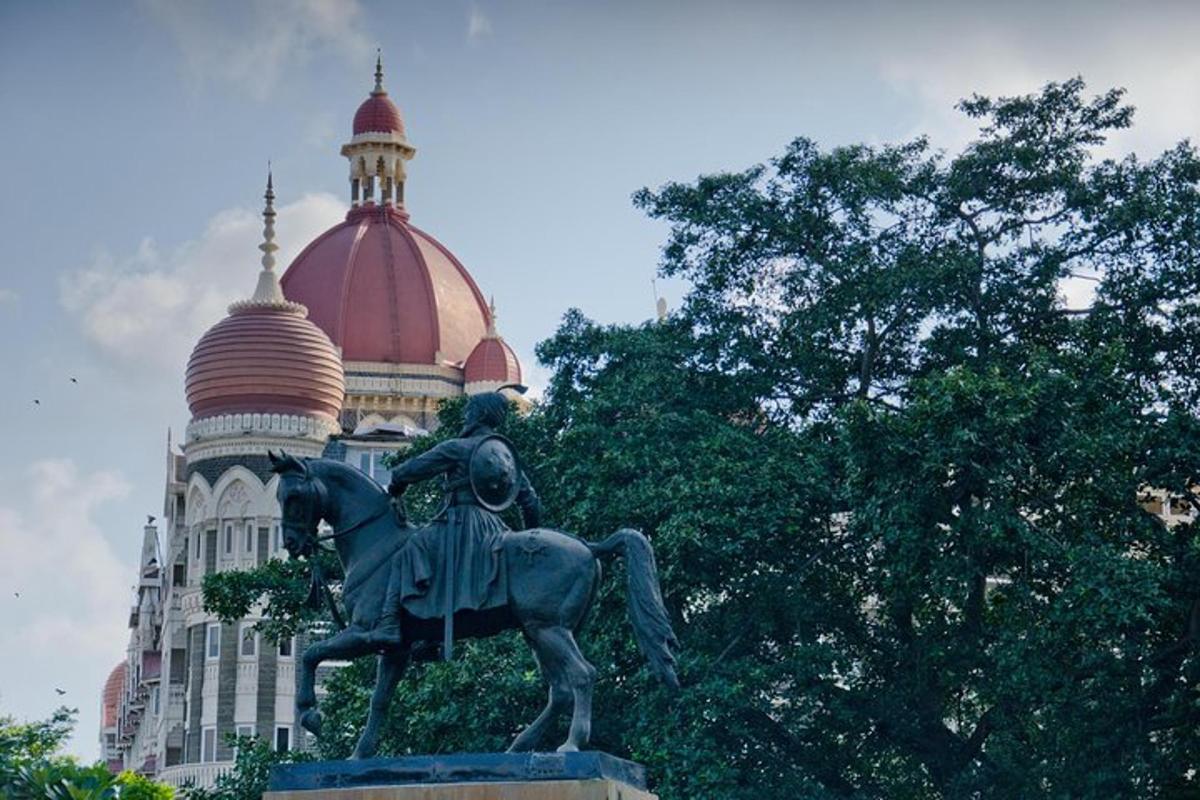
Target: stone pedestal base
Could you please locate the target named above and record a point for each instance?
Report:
(519, 790)
(465, 776)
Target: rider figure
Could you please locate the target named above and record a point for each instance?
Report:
(416, 581)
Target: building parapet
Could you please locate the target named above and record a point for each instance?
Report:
(287, 426)
(200, 776)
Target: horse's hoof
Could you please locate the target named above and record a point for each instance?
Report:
(311, 722)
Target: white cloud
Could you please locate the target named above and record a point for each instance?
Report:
(146, 310)
(534, 375)
(67, 624)
(251, 46)
(937, 79)
(478, 24)
(935, 66)
(321, 132)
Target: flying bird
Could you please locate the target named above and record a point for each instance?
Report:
(61, 692)
(16, 594)
(150, 519)
(74, 380)
(37, 402)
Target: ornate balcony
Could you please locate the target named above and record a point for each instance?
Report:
(201, 776)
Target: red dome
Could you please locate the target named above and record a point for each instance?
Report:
(112, 695)
(386, 291)
(492, 360)
(378, 114)
(265, 358)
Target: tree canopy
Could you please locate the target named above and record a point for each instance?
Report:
(896, 484)
(32, 766)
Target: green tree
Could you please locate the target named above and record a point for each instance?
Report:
(132, 786)
(992, 609)
(32, 766)
(896, 484)
(62, 780)
(23, 743)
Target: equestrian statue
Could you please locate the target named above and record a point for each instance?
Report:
(465, 574)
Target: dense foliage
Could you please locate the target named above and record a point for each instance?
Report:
(33, 768)
(896, 485)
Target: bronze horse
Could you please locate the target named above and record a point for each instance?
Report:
(552, 580)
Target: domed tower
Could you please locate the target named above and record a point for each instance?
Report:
(492, 363)
(264, 375)
(263, 378)
(404, 311)
(110, 719)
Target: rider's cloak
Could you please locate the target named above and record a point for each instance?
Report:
(481, 580)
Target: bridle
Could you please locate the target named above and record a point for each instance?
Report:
(318, 589)
(322, 501)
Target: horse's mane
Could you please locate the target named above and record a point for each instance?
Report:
(320, 467)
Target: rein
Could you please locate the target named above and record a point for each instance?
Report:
(325, 537)
(319, 590)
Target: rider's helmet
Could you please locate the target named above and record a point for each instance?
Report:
(488, 408)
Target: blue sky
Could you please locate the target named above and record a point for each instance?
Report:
(133, 147)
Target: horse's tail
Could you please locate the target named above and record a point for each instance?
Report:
(651, 627)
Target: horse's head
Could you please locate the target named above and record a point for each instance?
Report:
(301, 499)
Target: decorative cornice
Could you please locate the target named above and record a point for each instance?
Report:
(251, 446)
(273, 426)
(407, 370)
(380, 138)
(477, 387)
(402, 386)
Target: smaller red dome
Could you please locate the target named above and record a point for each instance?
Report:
(378, 114)
(112, 694)
(492, 360)
(265, 358)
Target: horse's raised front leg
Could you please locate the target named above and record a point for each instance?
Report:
(346, 643)
(391, 665)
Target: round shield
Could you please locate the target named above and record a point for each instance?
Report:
(494, 473)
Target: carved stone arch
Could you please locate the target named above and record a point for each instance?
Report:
(251, 486)
(235, 501)
(369, 421)
(199, 498)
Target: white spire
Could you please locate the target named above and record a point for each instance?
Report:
(491, 326)
(268, 290)
(268, 293)
(378, 71)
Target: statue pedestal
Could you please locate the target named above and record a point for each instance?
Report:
(464, 776)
